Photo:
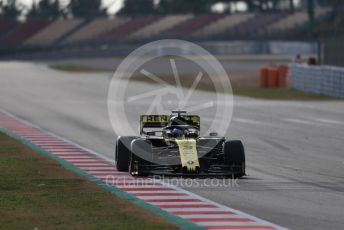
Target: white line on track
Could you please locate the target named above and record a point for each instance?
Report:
(78, 157)
(249, 121)
(231, 223)
(89, 163)
(299, 121)
(178, 203)
(214, 216)
(58, 137)
(95, 167)
(328, 121)
(163, 197)
(195, 209)
(148, 192)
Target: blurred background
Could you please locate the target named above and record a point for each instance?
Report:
(223, 27)
(245, 35)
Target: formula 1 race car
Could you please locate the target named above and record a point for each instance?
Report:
(170, 145)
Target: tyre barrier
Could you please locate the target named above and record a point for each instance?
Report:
(323, 80)
(263, 79)
(273, 77)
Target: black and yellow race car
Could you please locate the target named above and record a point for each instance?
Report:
(170, 145)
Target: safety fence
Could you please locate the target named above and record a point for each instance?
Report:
(325, 80)
(216, 48)
(332, 50)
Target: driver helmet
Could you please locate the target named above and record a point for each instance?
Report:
(177, 123)
(177, 132)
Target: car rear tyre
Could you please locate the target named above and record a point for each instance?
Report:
(234, 154)
(123, 153)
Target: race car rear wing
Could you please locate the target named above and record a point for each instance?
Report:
(157, 122)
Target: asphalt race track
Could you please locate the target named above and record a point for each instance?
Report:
(294, 150)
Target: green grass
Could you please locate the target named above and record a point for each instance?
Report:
(279, 94)
(37, 193)
(249, 58)
(74, 68)
(261, 93)
(206, 85)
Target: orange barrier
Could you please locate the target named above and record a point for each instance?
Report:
(272, 77)
(282, 76)
(263, 78)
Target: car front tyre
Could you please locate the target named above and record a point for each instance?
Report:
(123, 153)
(234, 154)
